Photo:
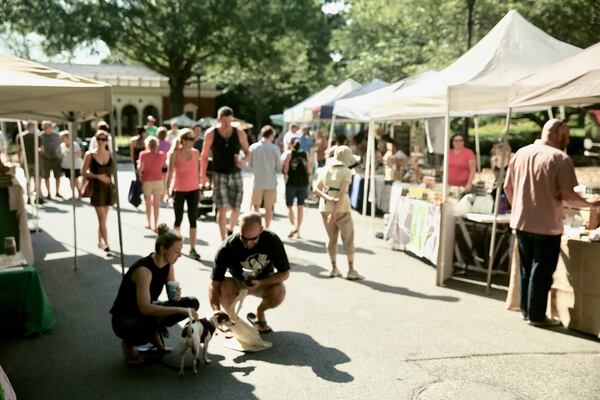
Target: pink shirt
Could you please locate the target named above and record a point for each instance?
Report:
(152, 164)
(536, 179)
(186, 176)
(458, 166)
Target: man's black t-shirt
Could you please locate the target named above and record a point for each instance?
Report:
(259, 262)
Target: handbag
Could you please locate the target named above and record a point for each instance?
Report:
(87, 188)
(135, 193)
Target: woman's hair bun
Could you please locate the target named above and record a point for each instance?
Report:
(162, 229)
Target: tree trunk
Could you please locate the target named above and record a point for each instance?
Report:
(177, 84)
(470, 11)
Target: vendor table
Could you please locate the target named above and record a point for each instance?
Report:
(575, 293)
(24, 306)
(13, 220)
(474, 255)
(415, 226)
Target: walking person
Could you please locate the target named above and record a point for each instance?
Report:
(151, 162)
(165, 147)
(137, 316)
(225, 143)
(136, 146)
(65, 162)
(50, 157)
(540, 177)
(98, 169)
(332, 187)
(296, 168)
(265, 161)
(184, 170)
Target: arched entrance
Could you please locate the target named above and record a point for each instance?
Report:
(150, 110)
(129, 120)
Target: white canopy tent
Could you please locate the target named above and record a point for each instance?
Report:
(478, 83)
(33, 91)
(573, 81)
(303, 111)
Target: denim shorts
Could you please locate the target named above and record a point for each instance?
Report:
(295, 192)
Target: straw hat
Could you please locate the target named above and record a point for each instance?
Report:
(343, 156)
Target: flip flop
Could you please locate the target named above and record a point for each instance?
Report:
(292, 233)
(261, 325)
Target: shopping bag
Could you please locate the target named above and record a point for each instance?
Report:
(135, 193)
(87, 188)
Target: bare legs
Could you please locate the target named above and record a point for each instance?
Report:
(222, 220)
(152, 202)
(295, 222)
(102, 213)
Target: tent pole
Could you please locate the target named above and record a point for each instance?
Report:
(550, 113)
(37, 184)
(114, 155)
(499, 186)
(331, 131)
(443, 235)
(477, 144)
(26, 162)
(72, 183)
(372, 195)
(563, 112)
(367, 167)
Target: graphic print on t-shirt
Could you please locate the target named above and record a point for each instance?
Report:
(254, 265)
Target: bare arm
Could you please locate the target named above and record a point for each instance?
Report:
(131, 150)
(243, 138)
(286, 163)
(206, 147)
(472, 170)
(214, 295)
(142, 278)
(170, 166)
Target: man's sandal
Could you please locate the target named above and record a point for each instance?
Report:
(261, 326)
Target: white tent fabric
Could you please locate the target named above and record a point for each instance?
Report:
(303, 111)
(479, 81)
(181, 120)
(358, 108)
(33, 91)
(574, 81)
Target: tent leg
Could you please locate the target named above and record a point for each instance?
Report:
(550, 113)
(499, 186)
(477, 144)
(443, 235)
(72, 183)
(37, 183)
(372, 195)
(116, 175)
(367, 167)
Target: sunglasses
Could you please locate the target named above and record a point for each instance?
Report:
(247, 239)
(189, 138)
(101, 139)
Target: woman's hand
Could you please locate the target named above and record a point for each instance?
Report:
(187, 311)
(468, 187)
(253, 284)
(334, 200)
(331, 218)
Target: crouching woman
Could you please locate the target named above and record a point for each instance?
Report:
(137, 317)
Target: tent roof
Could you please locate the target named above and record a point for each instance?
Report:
(29, 90)
(327, 109)
(573, 81)
(358, 107)
(302, 112)
(479, 81)
(182, 120)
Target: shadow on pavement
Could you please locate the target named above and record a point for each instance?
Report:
(477, 288)
(299, 265)
(314, 246)
(381, 287)
(299, 349)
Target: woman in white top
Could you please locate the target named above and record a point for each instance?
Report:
(332, 187)
(65, 163)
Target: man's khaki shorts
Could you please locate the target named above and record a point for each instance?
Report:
(241, 285)
(269, 196)
(156, 188)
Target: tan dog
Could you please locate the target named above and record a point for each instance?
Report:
(200, 331)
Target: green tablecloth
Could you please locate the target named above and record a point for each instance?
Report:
(24, 306)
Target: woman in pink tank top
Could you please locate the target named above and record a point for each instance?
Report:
(184, 170)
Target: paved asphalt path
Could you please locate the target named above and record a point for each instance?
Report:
(393, 336)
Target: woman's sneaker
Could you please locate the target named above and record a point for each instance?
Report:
(354, 276)
(335, 273)
(194, 255)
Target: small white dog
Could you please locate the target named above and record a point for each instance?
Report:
(197, 332)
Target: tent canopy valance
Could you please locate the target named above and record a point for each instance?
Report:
(478, 83)
(326, 111)
(573, 81)
(29, 90)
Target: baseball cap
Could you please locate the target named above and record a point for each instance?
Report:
(151, 118)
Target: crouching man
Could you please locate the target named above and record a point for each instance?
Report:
(257, 261)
